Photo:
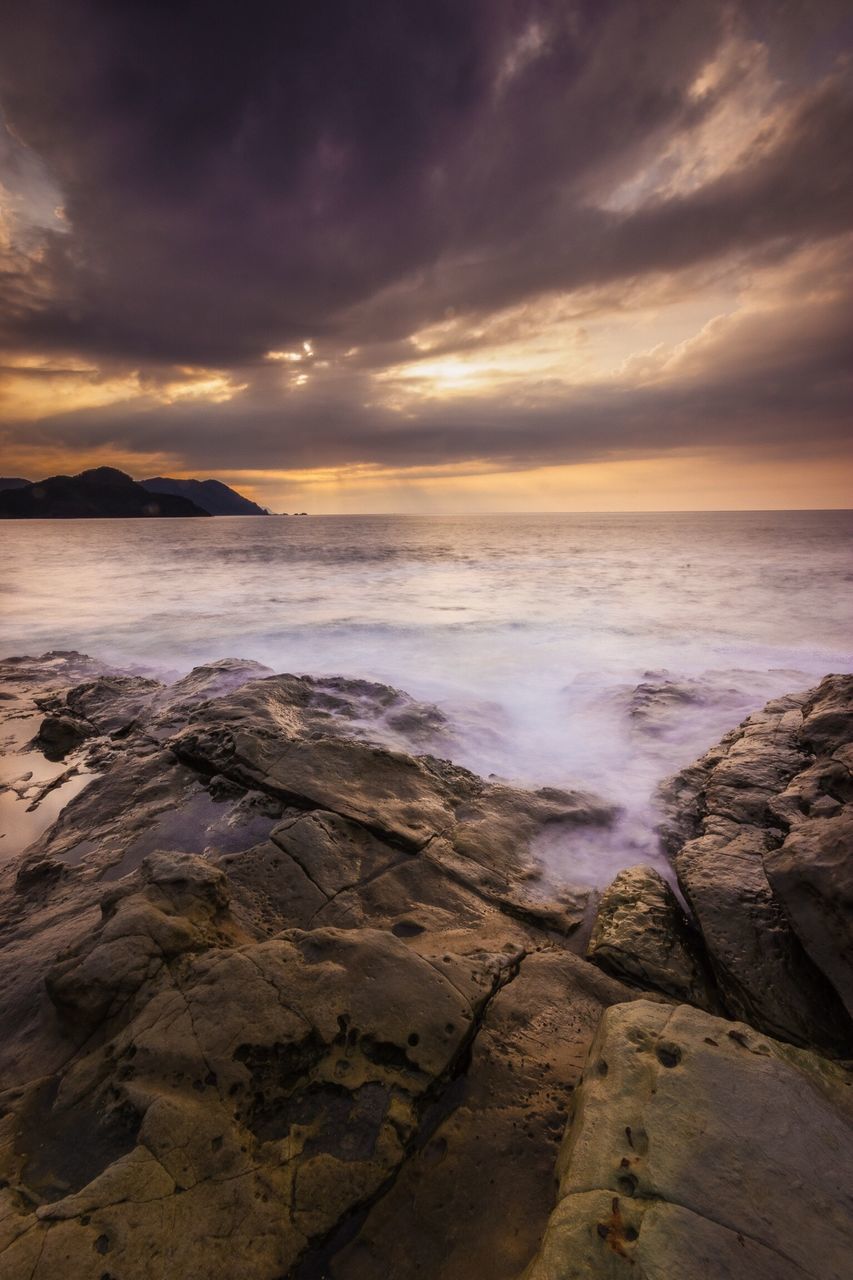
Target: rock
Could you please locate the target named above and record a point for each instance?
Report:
(115, 704)
(642, 936)
(811, 874)
(38, 872)
(269, 736)
(287, 990)
(473, 1197)
(828, 715)
(655, 707)
(176, 905)
(672, 708)
(246, 1098)
(275, 971)
(110, 704)
(701, 1148)
(728, 814)
(58, 735)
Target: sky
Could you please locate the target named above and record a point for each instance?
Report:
(455, 255)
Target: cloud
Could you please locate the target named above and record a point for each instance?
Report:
(471, 232)
(764, 376)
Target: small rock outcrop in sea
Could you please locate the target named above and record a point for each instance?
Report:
(289, 994)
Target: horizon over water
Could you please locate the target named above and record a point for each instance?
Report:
(529, 631)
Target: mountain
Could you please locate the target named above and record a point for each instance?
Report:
(99, 493)
(210, 495)
(13, 482)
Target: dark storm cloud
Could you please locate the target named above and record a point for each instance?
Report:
(782, 388)
(237, 178)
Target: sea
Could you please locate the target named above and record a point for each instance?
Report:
(593, 651)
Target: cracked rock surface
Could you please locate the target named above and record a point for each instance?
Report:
(279, 988)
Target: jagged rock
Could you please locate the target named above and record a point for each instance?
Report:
(38, 872)
(272, 750)
(110, 704)
(811, 874)
(642, 936)
(728, 815)
(828, 715)
(663, 706)
(58, 735)
(116, 703)
(698, 1148)
(267, 737)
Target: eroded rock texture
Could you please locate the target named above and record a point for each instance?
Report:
(700, 1147)
(285, 998)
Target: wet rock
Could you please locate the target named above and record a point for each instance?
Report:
(828, 715)
(110, 704)
(662, 705)
(267, 737)
(113, 816)
(642, 936)
(301, 997)
(214, 680)
(689, 1136)
(115, 704)
(655, 706)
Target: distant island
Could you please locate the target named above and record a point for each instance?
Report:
(106, 493)
(212, 496)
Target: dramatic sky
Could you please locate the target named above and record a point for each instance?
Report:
(379, 255)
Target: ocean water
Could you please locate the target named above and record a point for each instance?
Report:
(531, 633)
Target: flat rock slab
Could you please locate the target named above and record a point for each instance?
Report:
(699, 1147)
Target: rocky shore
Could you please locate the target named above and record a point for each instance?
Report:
(286, 993)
